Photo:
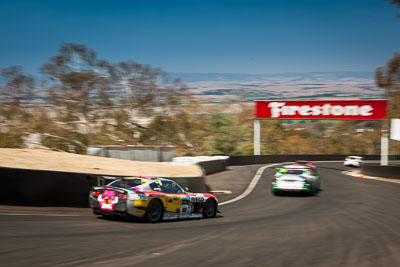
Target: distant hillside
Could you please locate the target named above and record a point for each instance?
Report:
(215, 87)
(198, 77)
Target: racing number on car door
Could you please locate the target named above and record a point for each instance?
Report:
(174, 202)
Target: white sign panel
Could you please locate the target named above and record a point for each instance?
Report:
(395, 129)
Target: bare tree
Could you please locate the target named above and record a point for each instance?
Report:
(388, 77)
(79, 82)
(143, 90)
(16, 88)
(138, 86)
(172, 95)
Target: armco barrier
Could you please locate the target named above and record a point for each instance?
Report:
(51, 188)
(261, 159)
(375, 170)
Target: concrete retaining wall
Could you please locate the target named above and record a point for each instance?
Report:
(391, 171)
(44, 188)
(63, 189)
(209, 164)
(213, 166)
(261, 159)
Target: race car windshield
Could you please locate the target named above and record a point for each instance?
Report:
(298, 172)
(126, 183)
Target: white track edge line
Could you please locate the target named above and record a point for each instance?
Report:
(251, 186)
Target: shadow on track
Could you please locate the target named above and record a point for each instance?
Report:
(295, 195)
(135, 220)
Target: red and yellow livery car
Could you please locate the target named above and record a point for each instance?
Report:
(152, 199)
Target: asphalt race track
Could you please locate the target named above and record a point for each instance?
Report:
(351, 222)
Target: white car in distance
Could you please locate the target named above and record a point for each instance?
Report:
(353, 161)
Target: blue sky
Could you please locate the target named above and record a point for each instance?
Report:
(206, 36)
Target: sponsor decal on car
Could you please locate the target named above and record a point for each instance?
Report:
(198, 198)
(107, 200)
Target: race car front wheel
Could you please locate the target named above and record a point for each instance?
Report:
(154, 211)
(209, 209)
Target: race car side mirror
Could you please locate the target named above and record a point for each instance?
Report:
(186, 188)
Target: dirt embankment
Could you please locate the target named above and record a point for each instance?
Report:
(39, 159)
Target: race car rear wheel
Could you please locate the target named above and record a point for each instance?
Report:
(154, 211)
(210, 209)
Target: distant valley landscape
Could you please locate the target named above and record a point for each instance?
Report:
(220, 87)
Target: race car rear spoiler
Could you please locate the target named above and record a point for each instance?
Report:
(295, 167)
(103, 179)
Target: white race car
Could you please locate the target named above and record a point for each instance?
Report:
(295, 178)
(353, 161)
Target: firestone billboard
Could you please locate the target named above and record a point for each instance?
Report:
(321, 109)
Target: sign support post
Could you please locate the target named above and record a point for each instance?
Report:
(384, 148)
(257, 137)
(394, 135)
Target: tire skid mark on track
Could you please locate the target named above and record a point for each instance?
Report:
(343, 239)
(377, 244)
(155, 252)
(306, 255)
(347, 248)
(374, 227)
(383, 234)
